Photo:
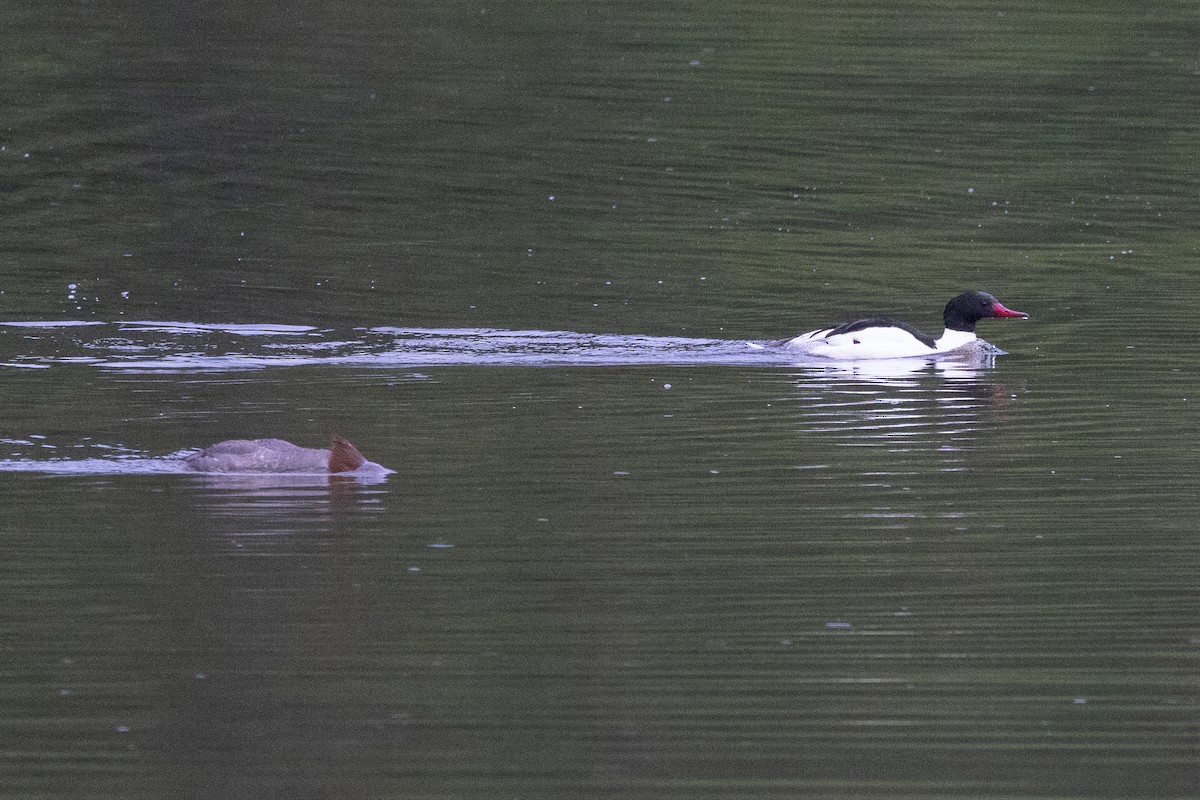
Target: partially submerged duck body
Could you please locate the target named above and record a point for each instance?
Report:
(277, 456)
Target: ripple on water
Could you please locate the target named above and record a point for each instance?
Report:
(170, 346)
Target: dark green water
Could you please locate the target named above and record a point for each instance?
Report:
(632, 577)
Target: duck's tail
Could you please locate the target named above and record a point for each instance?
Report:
(343, 456)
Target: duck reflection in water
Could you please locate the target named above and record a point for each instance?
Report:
(940, 405)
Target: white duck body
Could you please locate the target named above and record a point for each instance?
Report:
(882, 338)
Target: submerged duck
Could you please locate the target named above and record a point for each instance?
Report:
(276, 455)
(879, 337)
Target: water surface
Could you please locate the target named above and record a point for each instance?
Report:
(196, 347)
(515, 252)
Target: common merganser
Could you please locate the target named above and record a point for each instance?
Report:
(888, 338)
(276, 455)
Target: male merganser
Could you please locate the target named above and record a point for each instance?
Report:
(276, 455)
(888, 338)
